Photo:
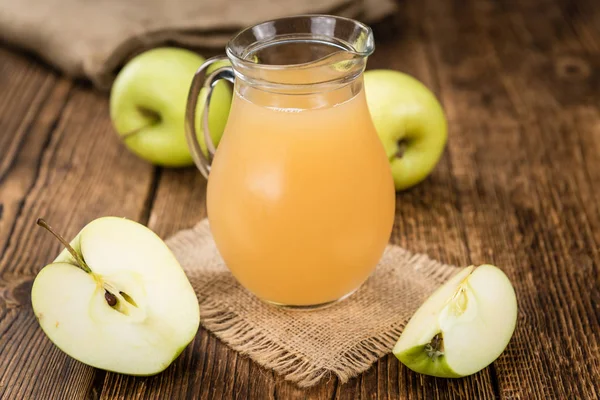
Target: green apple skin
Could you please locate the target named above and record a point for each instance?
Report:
(417, 360)
(404, 110)
(474, 314)
(148, 100)
(71, 308)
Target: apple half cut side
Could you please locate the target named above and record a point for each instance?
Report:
(462, 327)
(116, 299)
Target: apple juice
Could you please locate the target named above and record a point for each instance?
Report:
(300, 195)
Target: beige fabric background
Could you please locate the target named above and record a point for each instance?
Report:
(306, 347)
(92, 38)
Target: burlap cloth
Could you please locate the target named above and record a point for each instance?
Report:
(344, 339)
(93, 38)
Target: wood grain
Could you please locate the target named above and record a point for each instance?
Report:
(30, 106)
(518, 187)
(69, 170)
(514, 164)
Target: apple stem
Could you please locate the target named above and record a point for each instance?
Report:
(402, 145)
(78, 259)
(135, 131)
(152, 116)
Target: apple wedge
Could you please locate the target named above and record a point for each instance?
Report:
(116, 299)
(462, 327)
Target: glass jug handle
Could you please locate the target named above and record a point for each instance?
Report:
(201, 81)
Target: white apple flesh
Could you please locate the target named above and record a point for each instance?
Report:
(462, 327)
(410, 123)
(133, 313)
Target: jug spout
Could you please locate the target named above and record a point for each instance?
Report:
(302, 50)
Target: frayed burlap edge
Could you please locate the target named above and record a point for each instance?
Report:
(252, 340)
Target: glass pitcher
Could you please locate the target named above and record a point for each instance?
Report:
(300, 195)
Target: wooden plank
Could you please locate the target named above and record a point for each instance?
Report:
(288, 390)
(70, 171)
(583, 17)
(24, 165)
(30, 105)
(81, 177)
(586, 130)
(563, 253)
(515, 167)
(562, 137)
(469, 80)
(179, 202)
(24, 88)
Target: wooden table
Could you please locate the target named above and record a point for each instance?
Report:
(518, 186)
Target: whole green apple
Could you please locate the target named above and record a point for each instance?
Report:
(147, 105)
(410, 123)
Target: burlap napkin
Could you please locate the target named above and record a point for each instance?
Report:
(344, 339)
(92, 39)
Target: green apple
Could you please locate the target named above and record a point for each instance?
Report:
(462, 327)
(410, 123)
(148, 100)
(116, 299)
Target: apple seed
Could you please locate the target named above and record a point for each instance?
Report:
(110, 298)
(128, 299)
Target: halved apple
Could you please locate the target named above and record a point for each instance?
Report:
(462, 327)
(116, 299)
